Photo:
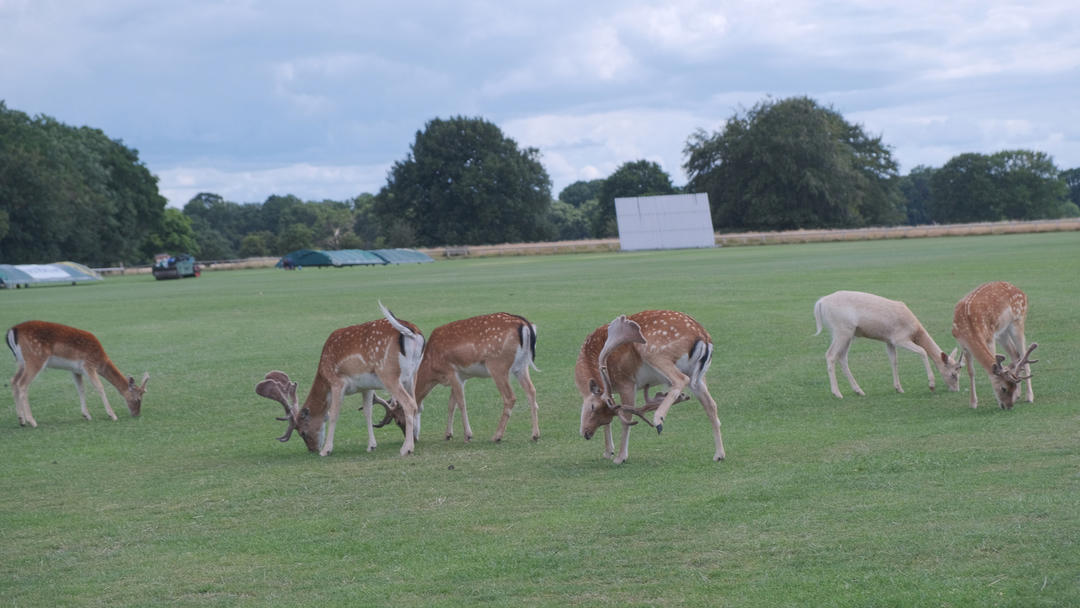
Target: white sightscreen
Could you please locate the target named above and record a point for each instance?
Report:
(675, 221)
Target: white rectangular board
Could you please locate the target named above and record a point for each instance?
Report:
(673, 221)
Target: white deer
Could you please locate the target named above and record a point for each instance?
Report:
(382, 354)
(996, 312)
(851, 314)
(495, 346)
(650, 348)
(39, 344)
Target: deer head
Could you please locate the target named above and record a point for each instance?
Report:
(950, 369)
(1006, 379)
(599, 407)
(278, 387)
(134, 394)
(394, 413)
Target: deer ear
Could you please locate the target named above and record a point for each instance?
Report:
(944, 357)
(131, 382)
(594, 388)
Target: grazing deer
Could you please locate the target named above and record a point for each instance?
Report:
(361, 358)
(851, 314)
(995, 312)
(492, 346)
(649, 348)
(39, 344)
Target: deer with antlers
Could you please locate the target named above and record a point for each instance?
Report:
(38, 345)
(649, 348)
(996, 312)
(381, 354)
(494, 346)
(851, 314)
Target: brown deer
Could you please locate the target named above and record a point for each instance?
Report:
(992, 312)
(650, 348)
(382, 354)
(39, 344)
(492, 346)
(851, 314)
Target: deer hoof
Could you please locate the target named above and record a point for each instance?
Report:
(536, 437)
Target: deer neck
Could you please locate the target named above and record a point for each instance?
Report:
(923, 339)
(318, 399)
(426, 378)
(114, 376)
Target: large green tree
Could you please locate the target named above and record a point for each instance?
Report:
(72, 193)
(915, 186)
(464, 182)
(793, 163)
(637, 178)
(1007, 185)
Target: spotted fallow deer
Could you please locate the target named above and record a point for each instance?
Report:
(39, 344)
(492, 346)
(382, 354)
(650, 348)
(995, 312)
(851, 314)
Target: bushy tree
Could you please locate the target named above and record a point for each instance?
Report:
(638, 178)
(72, 193)
(794, 164)
(915, 187)
(464, 182)
(580, 192)
(1007, 185)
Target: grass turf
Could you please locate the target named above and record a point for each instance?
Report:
(885, 500)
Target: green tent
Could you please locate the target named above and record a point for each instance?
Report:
(351, 257)
(402, 256)
(337, 258)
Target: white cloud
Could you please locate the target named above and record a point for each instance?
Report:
(310, 182)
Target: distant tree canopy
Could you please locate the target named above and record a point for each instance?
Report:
(1008, 185)
(464, 182)
(793, 164)
(638, 178)
(72, 194)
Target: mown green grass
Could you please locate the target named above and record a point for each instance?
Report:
(886, 500)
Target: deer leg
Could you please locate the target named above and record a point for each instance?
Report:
(82, 394)
(502, 382)
(678, 381)
(626, 398)
(971, 376)
(337, 395)
(847, 370)
(609, 444)
(16, 393)
(457, 396)
(836, 349)
(918, 350)
(530, 391)
(891, 350)
(408, 405)
(96, 381)
(369, 405)
(624, 444)
(709, 405)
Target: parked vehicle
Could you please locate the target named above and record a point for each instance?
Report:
(175, 267)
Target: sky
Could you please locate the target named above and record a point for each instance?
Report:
(248, 99)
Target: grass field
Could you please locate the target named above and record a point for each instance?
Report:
(885, 500)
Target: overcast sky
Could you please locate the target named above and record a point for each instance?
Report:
(247, 98)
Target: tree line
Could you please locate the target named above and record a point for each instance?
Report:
(73, 193)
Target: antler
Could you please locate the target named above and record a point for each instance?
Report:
(1015, 368)
(393, 412)
(620, 331)
(277, 386)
